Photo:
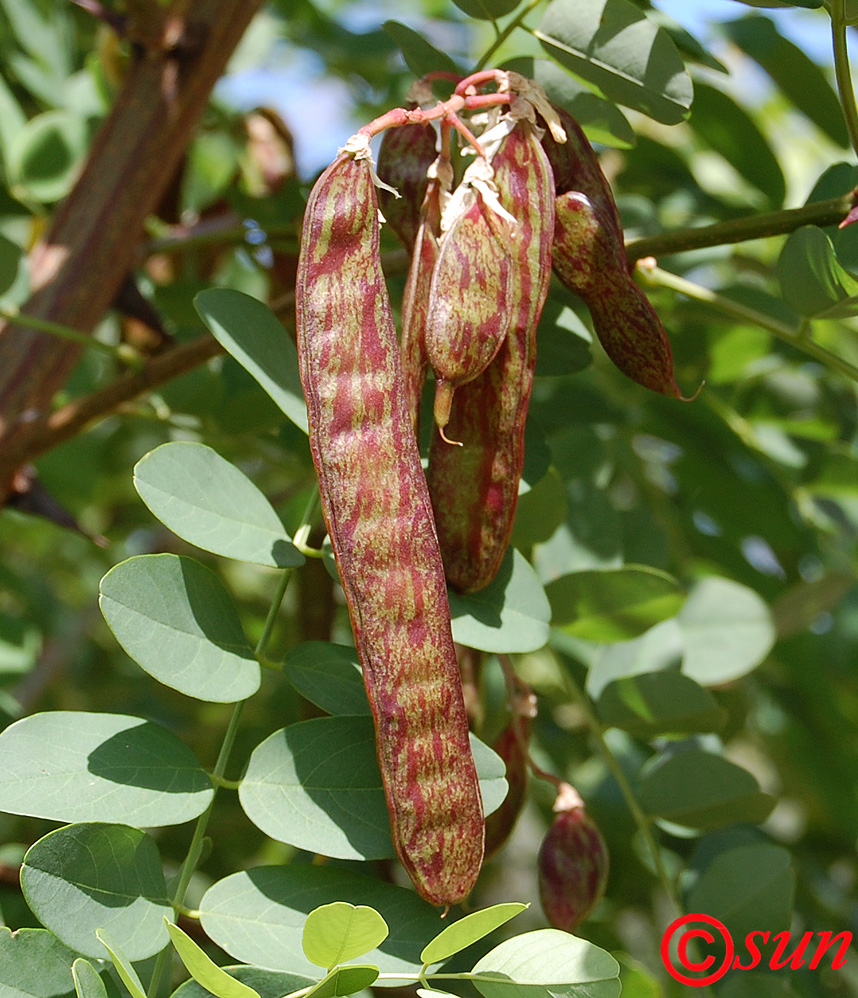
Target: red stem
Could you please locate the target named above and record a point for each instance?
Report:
(483, 76)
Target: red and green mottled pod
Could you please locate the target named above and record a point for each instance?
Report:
(474, 487)
(572, 864)
(471, 304)
(590, 261)
(576, 168)
(377, 511)
(415, 301)
(404, 157)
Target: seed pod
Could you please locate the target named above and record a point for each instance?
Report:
(415, 301)
(470, 301)
(511, 745)
(474, 487)
(404, 157)
(591, 262)
(573, 864)
(376, 508)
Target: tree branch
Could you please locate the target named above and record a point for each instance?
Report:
(91, 245)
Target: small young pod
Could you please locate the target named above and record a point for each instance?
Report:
(474, 487)
(572, 863)
(590, 261)
(511, 746)
(470, 301)
(404, 157)
(377, 512)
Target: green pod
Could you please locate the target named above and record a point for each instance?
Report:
(591, 262)
(404, 157)
(474, 487)
(470, 309)
(377, 511)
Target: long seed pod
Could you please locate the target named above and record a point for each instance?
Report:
(415, 301)
(474, 487)
(590, 261)
(470, 301)
(404, 157)
(377, 511)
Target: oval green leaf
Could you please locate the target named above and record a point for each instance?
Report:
(510, 615)
(78, 766)
(658, 703)
(612, 45)
(210, 503)
(658, 648)
(727, 630)
(87, 981)
(316, 785)
(329, 676)
(613, 605)
(35, 964)
(701, 790)
(251, 333)
(121, 964)
(173, 616)
(468, 930)
(812, 280)
(547, 961)
(420, 56)
(258, 916)
(97, 876)
(750, 888)
(204, 970)
(266, 983)
(338, 932)
(487, 10)
(345, 981)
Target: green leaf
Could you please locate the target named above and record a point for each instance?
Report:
(207, 501)
(658, 703)
(345, 981)
(204, 970)
(95, 876)
(12, 119)
(258, 915)
(266, 983)
(251, 333)
(658, 648)
(78, 766)
(487, 10)
(612, 45)
(338, 932)
(613, 605)
(468, 930)
(87, 981)
(795, 73)
(34, 964)
(175, 619)
(329, 676)
(749, 888)
(727, 630)
(127, 974)
(700, 790)
(316, 785)
(729, 130)
(547, 962)
(45, 155)
(11, 258)
(540, 510)
(420, 56)
(812, 280)
(510, 615)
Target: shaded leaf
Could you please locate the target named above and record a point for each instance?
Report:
(811, 278)
(327, 675)
(345, 981)
(11, 258)
(251, 333)
(420, 55)
(87, 981)
(45, 156)
(658, 703)
(266, 983)
(78, 766)
(96, 876)
(174, 618)
(701, 790)
(612, 45)
(208, 502)
(34, 964)
(487, 10)
(658, 648)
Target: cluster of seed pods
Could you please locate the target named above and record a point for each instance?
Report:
(482, 252)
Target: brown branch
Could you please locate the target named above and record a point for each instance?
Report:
(90, 247)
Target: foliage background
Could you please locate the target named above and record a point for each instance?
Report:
(756, 482)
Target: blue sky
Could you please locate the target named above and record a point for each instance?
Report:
(322, 124)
